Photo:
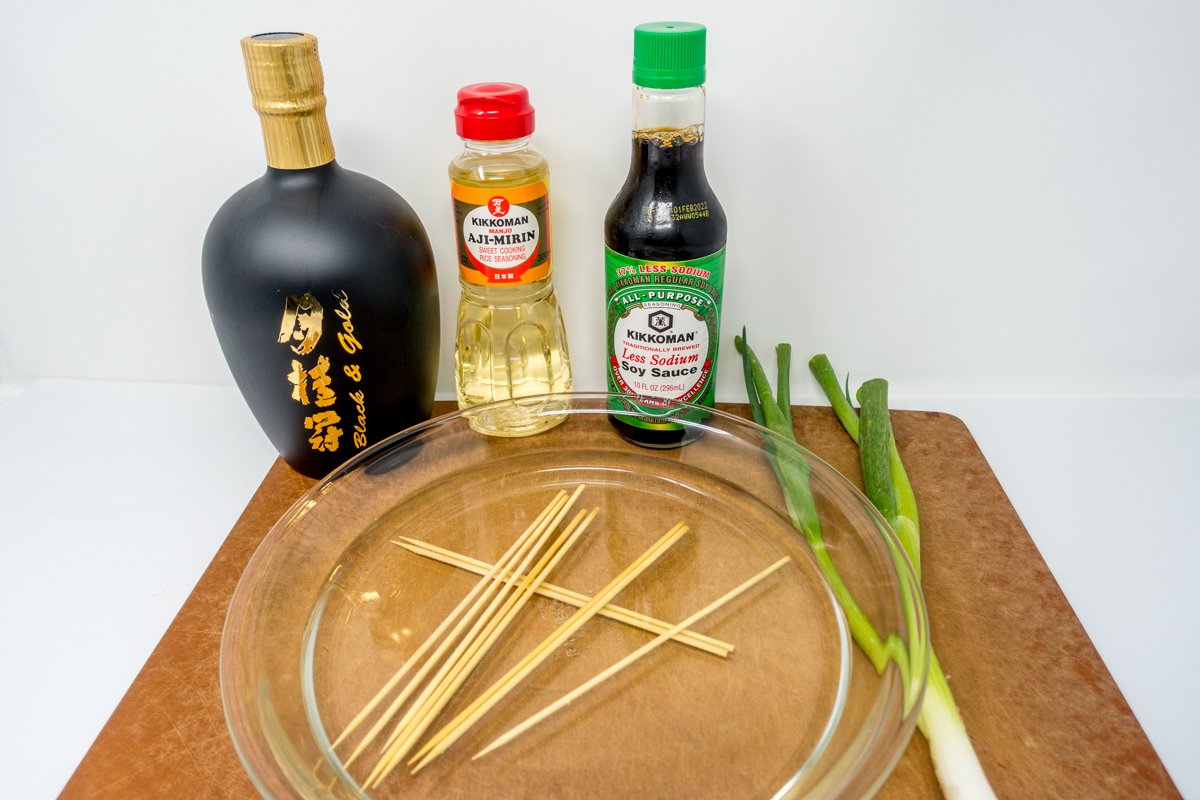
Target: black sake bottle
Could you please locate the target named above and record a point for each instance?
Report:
(320, 281)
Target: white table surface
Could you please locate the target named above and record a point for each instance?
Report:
(117, 495)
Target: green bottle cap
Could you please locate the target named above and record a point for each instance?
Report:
(668, 55)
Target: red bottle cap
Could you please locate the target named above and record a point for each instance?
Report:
(493, 111)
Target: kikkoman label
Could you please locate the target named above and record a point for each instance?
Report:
(664, 327)
(503, 234)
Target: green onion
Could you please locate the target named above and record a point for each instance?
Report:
(884, 477)
(792, 472)
(888, 487)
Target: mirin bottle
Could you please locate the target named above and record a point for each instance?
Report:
(664, 238)
(510, 340)
(320, 281)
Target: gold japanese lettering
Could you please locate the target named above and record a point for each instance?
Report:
(299, 380)
(320, 383)
(325, 433)
(302, 320)
(317, 379)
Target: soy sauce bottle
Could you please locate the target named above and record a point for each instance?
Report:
(664, 238)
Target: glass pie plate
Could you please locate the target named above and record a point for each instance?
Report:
(330, 607)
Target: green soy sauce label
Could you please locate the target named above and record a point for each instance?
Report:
(664, 327)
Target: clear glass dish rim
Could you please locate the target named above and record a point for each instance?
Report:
(551, 404)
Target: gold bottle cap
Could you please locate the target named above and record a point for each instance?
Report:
(288, 88)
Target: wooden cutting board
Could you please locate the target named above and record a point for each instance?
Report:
(1046, 718)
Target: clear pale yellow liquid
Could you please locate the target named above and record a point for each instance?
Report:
(510, 342)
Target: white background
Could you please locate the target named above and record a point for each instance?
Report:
(969, 198)
(995, 205)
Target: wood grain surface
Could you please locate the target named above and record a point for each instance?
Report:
(1046, 718)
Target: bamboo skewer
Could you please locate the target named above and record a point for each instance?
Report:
(444, 738)
(476, 618)
(583, 688)
(477, 597)
(441, 628)
(632, 618)
(492, 611)
(461, 668)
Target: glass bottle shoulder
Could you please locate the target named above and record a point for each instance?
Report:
(498, 164)
(666, 209)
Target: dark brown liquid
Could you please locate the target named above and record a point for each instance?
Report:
(665, 172)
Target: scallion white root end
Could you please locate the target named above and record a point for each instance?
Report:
(954, 760)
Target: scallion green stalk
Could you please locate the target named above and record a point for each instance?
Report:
(954, 759)
(889, 489)
(792, 472)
